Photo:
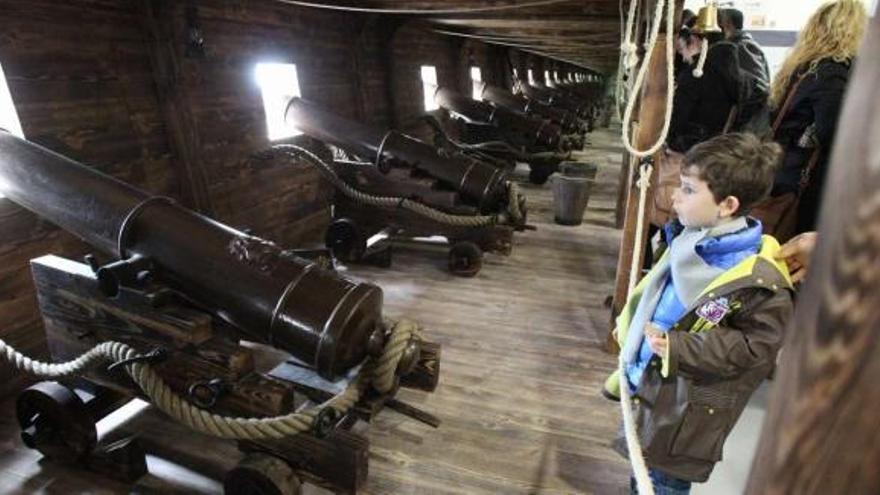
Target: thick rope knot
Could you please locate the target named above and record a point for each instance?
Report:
(385, 371)
(645, 172)
(378, 373)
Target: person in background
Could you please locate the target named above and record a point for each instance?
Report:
(752, 113)
(813, 79)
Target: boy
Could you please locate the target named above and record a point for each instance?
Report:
(701, 331)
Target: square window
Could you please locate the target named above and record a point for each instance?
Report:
(429, 86)
(278, 84)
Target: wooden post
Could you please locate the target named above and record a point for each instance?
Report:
(652, 107)
(821, 435)
(158, 21)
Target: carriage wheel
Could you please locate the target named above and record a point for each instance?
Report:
(465, 259)
(261, 474)
(55, 421)
(345, 240)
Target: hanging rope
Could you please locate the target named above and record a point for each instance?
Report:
(640, 79)
(636, 457)
(379, 373)
(643, 183)
(391, 202)
(634, 449)
(704, 51)
(461, 10)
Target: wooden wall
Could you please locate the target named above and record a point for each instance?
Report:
(108, 83)
(82, 85)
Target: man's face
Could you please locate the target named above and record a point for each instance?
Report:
(694, 202)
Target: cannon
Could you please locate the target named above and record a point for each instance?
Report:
(574, 131)
(539, 140)
(471, 204)
(558, 97)
(172, 301)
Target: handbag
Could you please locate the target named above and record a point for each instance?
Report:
(778, 214)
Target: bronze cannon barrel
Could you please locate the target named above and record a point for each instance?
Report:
(527, 131)
(556, 99)
(480, 184)
(504, 98)
(316, 315)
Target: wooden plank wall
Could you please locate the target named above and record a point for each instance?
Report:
(108, 83)
(82, 84)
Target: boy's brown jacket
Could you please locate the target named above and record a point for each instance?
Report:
(688, 402)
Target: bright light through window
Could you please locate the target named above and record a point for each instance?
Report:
(278, 83)
(556, 76)
(531, 77)
(8, 115)
(429, 86)
(515, 74)
(476, 83)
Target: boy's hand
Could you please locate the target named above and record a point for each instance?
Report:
(658, 344)
(656, 339)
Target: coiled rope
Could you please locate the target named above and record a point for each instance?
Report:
(628, 46)
(513, 205)
(378, 373)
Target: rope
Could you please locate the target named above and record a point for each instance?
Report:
(640, 78)
(643, 183)
(379, 373)
(464, 10)
(704, 51)
(391, 202)
(634, 449)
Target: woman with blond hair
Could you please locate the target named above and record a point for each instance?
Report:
(805, 98)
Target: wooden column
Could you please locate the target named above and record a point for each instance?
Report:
(389, 28)
(360, 25)
(181, 126)
(651, 111)
(820, 435)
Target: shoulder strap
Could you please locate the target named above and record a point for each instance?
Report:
(787, 103)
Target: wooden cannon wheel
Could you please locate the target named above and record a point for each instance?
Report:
(465, 259)
(55, 421)
(346, 240)
(261, 474)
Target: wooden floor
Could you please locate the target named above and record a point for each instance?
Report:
(521, 370)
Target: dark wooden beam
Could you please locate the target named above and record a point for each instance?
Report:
(181, 126)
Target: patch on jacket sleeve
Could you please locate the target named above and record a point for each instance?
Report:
(715, 310)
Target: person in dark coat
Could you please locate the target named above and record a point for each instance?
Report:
(702, 105)
(754, 75)
(818, 69)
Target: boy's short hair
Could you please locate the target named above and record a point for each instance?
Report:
(735, 164)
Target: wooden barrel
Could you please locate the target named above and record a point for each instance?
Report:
(578, 169)
(570, 197)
